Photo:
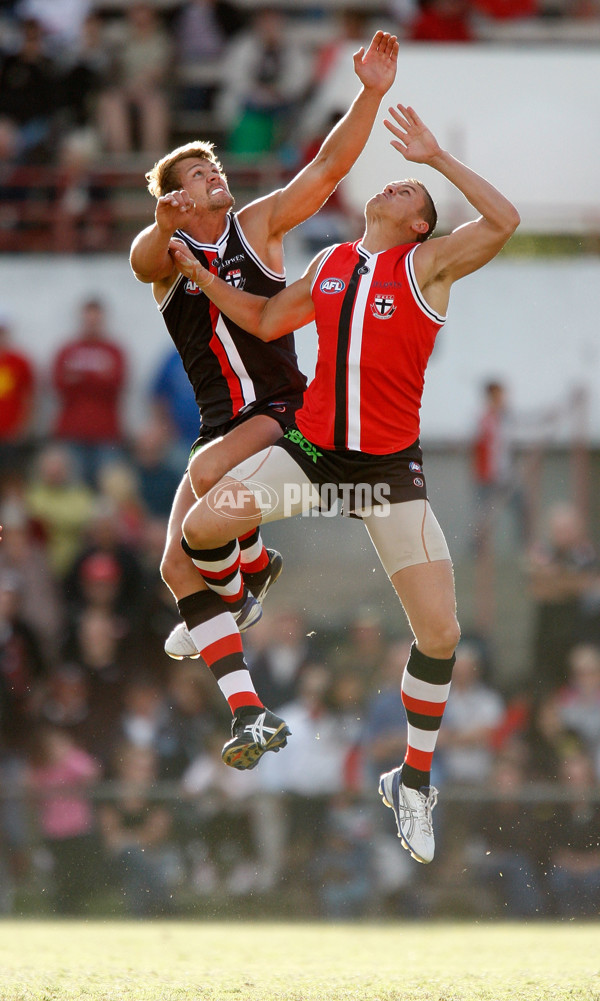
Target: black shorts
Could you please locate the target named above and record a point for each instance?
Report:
(282, 411)
(397, 476)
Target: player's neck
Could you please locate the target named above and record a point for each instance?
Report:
(207, 228)
(380, 236)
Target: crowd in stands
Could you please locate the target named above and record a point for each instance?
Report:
(112, 786)
(88, 85)
(111, 779)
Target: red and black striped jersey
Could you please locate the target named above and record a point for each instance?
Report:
(376, 333)
(229, 369)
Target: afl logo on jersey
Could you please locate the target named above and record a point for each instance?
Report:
(234, 277)
(383, 306)
(191, 288)
(332, 285)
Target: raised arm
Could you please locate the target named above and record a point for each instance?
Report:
(445, 259)
(267, 318)
(150, 259)
(270, 218)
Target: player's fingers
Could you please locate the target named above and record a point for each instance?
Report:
(390, 41)
(398, 115)
(412, 116)
(395, 131)
(400, 125)
(398, 146)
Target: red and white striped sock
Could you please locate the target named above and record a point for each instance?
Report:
(220, 569)
(425, 689)
(253, 555)
(217, 638)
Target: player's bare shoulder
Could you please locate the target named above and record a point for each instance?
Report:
(256, 221)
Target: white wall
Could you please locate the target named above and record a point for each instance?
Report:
(526, 118)
(531, 323)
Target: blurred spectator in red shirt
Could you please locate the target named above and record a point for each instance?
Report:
(441, 21)
(16, 397)
(89, 375)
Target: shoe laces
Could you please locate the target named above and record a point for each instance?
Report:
(427, 802)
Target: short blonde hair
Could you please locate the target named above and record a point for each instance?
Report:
(164, 176)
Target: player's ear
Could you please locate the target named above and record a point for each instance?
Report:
(420, 226)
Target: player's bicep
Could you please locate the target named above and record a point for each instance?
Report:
(460, 253)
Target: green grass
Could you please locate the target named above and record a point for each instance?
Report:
(242, 961)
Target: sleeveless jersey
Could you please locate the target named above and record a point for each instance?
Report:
(230, 370)
(376, 333)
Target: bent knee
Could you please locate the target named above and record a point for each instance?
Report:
(440, 639)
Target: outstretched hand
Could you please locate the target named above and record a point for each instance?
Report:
(188, 265)
(376, 68)
(413, 139)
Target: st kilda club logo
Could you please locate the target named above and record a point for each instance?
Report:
(383, 306)
(234, 278)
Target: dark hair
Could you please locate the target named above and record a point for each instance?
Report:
(429, 211)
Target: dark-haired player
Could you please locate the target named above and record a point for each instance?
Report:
(378, 305)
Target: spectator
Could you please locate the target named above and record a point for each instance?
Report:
(174, 402)
(120, 494)
(573, 836)
(441, 21)
(60, 772)
(265, 76)
(202, 30)
(366, 647)
(87, 68)
(107, 572)
(191, 723)
(506, 848)
(228, 825)
(89, 375)
(277, 665)
(28, 80)
(495, 475)
(81, 207)
(24, 560)
(312, 771)
(145, 716)
(16, 400)
(384, 732)
(157, 473)
(473, 713)
(63, 20)
(578, 702)
(97, 651)
(343, 868)
(65, 704)
(135, 832)
(60, 504)
(139, 81)
(22, 668)
(560, 570)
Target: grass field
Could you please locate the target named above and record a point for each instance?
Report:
(242, 961)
